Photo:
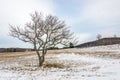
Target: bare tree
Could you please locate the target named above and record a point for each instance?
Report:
(43, 33)
(99, 36)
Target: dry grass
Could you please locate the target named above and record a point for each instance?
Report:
(12, 55)
(53, 65)
(106, 54)
(101, 55)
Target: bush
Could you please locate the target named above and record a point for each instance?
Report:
(71, 45)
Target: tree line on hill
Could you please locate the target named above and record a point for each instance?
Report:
(100, 42)
(15, 49)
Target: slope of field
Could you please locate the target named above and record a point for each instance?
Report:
(95, 63)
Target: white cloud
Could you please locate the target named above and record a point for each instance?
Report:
(17, 11)
(96, 12)
(83, 37)
(102, 12)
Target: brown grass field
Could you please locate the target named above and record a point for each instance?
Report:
(106, 54)
(64, 64)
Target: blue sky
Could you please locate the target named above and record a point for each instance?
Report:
(86, 18)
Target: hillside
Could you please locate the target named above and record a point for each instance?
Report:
(100, 42)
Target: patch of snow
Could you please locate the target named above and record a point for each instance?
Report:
(71, 56)
(80, 67)
(112, 48)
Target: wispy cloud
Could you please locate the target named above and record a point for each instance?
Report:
(102, 12)
(110, 32)
(20, 9)
(83, 37)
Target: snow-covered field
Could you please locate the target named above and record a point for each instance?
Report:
(95, 63)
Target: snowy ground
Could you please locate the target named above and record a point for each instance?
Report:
(95, 63)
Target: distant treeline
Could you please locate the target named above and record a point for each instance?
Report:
(22, 49)
(15, 49)
(103, 41)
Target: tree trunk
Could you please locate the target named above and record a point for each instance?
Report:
(39, 59)
(42, 60)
